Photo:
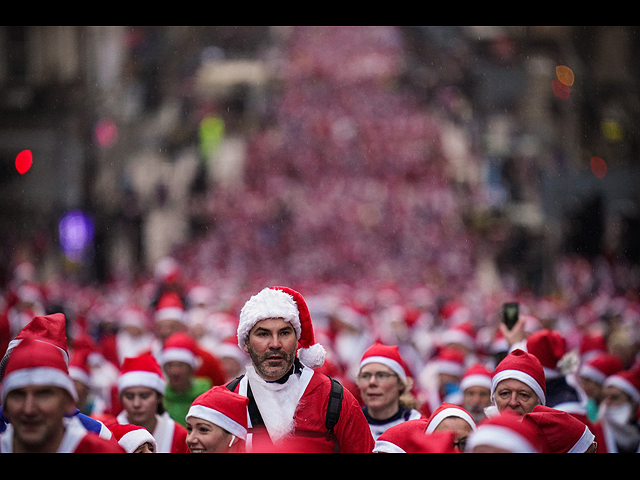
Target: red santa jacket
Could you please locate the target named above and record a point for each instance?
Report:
(352, 432)
(77, 439)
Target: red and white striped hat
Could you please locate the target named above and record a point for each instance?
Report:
(33, 362)
(141, 371)
(224, 408)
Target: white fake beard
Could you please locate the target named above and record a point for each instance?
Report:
(277, 402)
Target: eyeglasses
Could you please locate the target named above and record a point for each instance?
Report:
(380, 377)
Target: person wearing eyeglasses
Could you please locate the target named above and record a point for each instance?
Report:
(385, 385)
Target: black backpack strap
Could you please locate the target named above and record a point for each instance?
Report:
(234, 383)
(257, 423)
(334, 407)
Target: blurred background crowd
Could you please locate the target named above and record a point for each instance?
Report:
(403, 179)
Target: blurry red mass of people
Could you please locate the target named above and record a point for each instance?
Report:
(348, 196)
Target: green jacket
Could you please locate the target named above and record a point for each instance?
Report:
(178, 404)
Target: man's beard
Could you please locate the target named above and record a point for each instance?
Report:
(269, 369)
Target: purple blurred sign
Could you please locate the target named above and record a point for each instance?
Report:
(75, 230)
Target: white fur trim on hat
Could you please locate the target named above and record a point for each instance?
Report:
(141, 378)
(170, 313)
(585, 442)
(450, 412)
(176, 354)
(449, 367)
(268, 303)
(37, 376)
(500, 437)
(592, 373)
(624, 385)
(388, 362)
(523, 377)
(476, 380)
(384, 446)
(80, 375)
(218, 418)
(130, 441)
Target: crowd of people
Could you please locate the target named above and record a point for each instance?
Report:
(180, 374)
(382, 337)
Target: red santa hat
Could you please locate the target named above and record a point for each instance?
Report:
(522, 366)
(592, 344)
(462, 333)
(561, 431)
(446, 410)
(549, 347)
(33, 362)
(450, 361)
(141, 371)
(508, 432)
(79, 368)
(228, 348)
(600, 367)
(411, 437)
(50, 329)
(180, 347)
(132, 316)
(387, 355)
(167, 269)
(476, 376)
(285, 303)
(498, 343)
(628, 381)
(455, 312)
(130, 437)
(224, 408)
(170, 307)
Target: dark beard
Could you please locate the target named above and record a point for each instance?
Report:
(269, 373)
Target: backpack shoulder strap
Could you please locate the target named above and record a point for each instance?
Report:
(234, 383)
(334, 407)
(335, 404)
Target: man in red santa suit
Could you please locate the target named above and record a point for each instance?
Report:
(288, 400)
(37, 397)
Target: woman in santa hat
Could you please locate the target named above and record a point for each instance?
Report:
(384, 381)
(141, 386)
(217, 422)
